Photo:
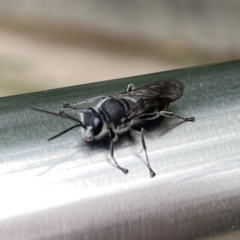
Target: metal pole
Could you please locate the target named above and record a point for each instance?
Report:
(66, 189)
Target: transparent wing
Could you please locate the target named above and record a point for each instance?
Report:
(167, 89)
(153, 96)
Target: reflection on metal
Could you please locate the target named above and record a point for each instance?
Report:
(66, 189)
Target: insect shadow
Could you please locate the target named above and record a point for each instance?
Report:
(161, 124)
(122, 113)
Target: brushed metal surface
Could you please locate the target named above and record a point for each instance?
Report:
(66, 189)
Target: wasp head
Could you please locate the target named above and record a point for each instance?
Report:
(92, 122)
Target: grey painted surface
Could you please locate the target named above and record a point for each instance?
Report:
(211, 24)
(65, 189)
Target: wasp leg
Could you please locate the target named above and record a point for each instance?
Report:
(171, 114)
(130, 87)
(75, 105)
(152, 173)
(124, 170)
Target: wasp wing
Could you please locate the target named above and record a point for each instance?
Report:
(153, 96)
(168, 89)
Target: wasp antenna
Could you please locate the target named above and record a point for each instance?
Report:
(45, 111)
(65, 131)
(60, 114)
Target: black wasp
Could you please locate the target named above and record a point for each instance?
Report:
(122, 113)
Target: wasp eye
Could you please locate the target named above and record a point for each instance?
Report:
(97, 125)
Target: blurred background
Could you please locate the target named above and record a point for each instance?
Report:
(50, 44)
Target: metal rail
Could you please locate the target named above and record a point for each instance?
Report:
(66, 189)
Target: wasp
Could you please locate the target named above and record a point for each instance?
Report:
(122, 113)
